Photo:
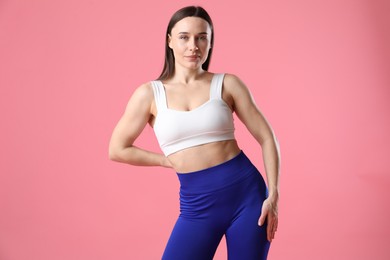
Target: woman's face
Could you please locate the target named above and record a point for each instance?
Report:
(190, 41)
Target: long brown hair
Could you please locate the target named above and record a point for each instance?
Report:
(169, 61)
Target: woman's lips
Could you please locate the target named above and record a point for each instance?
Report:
(192, 57)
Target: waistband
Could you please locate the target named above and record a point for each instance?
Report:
(218, 176)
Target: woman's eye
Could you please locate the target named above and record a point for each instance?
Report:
(183, 37)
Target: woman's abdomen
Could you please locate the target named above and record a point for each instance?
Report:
(203, 156)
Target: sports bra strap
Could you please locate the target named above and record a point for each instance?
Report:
(216, 86)
(159, 95)
(161, 99)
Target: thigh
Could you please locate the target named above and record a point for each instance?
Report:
(245, 238)
(192, 239)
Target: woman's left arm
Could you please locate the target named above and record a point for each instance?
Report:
(245, 107)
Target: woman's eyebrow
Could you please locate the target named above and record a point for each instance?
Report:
(189, 33)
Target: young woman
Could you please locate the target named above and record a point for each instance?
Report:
(190, 110)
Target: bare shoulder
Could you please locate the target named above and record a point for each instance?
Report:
(143, 92)
(229, 77)
(141, 99)
(234, 85)
(143, 95)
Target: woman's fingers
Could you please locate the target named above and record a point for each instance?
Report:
(270, 214)
(270, 229)
(264, 212)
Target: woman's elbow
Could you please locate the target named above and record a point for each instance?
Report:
(114, 153)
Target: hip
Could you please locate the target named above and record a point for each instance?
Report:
(231, 172)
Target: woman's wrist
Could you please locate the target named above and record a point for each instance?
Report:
(165, 162)
(273, 195)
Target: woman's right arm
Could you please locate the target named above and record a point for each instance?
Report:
(133, 121)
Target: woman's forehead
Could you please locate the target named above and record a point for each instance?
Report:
(192, 25)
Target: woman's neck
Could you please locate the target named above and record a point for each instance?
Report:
(185, 75)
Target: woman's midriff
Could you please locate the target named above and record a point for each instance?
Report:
(203, 156)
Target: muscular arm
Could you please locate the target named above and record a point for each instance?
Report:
(129, 127)
(246, 109)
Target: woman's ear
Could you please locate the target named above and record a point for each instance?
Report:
(169, 38)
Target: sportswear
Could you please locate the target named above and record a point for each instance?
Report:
(223, 200)
(176, 130)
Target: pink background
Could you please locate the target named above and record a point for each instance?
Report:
(319, 71)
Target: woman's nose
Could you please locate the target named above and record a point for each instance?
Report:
(193, 46)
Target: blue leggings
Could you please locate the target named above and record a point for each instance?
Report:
(222, 200)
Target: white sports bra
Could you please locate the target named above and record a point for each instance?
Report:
(177, 130)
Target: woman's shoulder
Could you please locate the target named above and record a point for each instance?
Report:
(232, 82)
(143, 92)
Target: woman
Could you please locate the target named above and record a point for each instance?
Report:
(190, 110)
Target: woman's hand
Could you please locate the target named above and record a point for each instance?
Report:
(166, 162)
(269, 211)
